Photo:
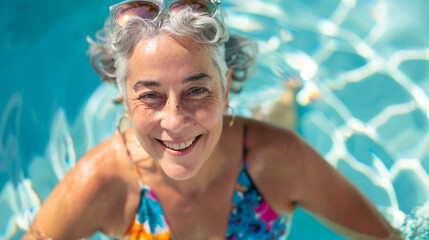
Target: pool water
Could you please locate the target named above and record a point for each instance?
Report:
(358, 71)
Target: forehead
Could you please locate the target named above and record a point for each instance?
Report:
(167, 48)
(166, 57)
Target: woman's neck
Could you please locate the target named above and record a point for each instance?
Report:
(219, 165)
(210, 172)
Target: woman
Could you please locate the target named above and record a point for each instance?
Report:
(184, 169)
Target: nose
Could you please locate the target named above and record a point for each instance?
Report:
(173, 118)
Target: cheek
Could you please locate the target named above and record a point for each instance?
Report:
(143, 119)
(210, 105)
(209, 114)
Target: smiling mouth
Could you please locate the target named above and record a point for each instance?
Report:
(180, 146)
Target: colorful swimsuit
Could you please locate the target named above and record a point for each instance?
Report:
(251, 217)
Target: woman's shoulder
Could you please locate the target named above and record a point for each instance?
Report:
(279, 148)
(98, 165)
(106, 171)
(265, 137)
(275, 162)
(99, 172)
(97, 188)
(108, 155)
(102, 163)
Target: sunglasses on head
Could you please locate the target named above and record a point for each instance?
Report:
(150, 9)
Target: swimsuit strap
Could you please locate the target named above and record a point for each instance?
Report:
(133, 165)
(124, 140)
(245, 145)
(251, 217)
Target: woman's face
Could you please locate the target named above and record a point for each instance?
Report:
(176, 103)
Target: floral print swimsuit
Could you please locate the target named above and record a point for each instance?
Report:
(251, 217)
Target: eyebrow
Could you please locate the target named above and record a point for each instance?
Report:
(145, 83)
(197, 78)
(150, 83)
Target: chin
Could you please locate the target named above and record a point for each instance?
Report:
(180, 172)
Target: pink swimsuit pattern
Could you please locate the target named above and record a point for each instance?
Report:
(251, 217)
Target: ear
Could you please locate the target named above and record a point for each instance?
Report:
(123, 99)
(228, 87)
(127, 109)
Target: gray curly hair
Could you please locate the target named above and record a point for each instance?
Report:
(111, 50)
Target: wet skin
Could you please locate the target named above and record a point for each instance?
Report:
(191, 159)
(176, 100)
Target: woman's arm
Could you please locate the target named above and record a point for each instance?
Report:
(70, 211)
(333, 200)
(80, 204)
(297, 175)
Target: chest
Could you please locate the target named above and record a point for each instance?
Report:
(205, 219)
(203, 216)
(240, 212)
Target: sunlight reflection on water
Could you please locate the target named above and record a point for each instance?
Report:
(359, 70)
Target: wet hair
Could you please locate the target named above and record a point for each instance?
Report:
(112, 48)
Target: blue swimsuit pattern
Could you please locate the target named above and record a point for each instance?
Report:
(251, 217)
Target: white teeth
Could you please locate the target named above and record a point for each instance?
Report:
(180, 146)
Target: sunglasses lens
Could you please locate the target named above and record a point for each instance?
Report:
(196, 5)
(146, 10)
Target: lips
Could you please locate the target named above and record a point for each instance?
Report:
(179, 146)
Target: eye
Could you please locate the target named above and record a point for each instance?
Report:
(197, 91)
(150, 98)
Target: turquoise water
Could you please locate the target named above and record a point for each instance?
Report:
(361, 69)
